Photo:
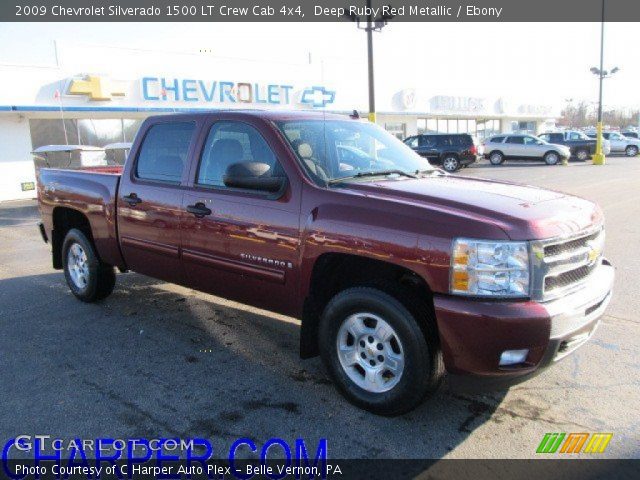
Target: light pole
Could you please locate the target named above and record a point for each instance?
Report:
(373, 25)
(598, 158)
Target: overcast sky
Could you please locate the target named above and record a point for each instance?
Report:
(544, 63)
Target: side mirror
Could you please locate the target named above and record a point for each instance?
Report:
(252, 176)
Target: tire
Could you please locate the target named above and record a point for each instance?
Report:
(88, 278)
(582, 155)
(631, 151)
(450, 163)
(407, 362)
(496, 158)
(551, 158)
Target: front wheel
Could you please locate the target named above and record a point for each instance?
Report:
(450, 163)
(376, 352)
(551, 158)
(88, 278)
(631, 151)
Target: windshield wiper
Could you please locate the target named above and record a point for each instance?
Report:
(378, 173)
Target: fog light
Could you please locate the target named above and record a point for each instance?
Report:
(513, 357)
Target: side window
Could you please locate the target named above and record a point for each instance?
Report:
(531, 141)
(497, 140)
(163, 154)
(412, 142)
(463, 140)
(546, 137)
(574, 136)
(230, 143)
(427, 141)
(516, 140)
(445, 141)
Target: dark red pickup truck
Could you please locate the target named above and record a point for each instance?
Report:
(399, 271)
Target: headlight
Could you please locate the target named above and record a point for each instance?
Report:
(489, 268)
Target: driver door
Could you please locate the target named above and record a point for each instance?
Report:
(237, 243)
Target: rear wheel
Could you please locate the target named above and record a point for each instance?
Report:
(631, 151)
(582, 154)
(451, 163)
(88, 278)
(496, 158)
(551, 158)
(376, 352)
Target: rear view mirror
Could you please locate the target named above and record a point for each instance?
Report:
(252, 176)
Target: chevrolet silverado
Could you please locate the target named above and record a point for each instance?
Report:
(399, 272)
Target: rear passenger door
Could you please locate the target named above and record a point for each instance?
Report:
(513, 146)
(245, 244)
(149, 204)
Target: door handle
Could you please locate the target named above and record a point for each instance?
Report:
(199, 210)
(132, 199)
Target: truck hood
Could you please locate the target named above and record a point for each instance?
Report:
(523, 212)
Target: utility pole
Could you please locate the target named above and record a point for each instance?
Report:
(372, 25)
(598, 158)
(372, 94)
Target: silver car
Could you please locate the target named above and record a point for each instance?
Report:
(517, 146)
(621, 144)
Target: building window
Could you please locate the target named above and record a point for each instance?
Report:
(84, 131)
(399, 130)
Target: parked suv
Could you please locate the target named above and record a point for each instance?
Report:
(620, 143)
(523, 147)
(452, 151)
(581, 146)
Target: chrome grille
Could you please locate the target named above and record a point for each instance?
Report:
(561, 265)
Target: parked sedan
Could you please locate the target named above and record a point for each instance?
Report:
(523, 147)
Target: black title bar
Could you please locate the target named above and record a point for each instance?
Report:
(319, 11)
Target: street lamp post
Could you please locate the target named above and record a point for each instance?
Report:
(372, 25)
(598, 157)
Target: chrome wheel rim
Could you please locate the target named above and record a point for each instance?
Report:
(78, 266)
(495, 159)
(632, 151)
(582, 155)
(450, 164)
(552, 159)
(370, 352)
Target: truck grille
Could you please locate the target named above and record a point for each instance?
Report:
(562, 265)
(568, 278)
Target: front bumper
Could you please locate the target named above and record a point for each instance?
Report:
(474, 333)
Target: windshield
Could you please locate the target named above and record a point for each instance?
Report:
(346, 149)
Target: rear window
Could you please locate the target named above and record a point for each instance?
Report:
(496, 140)
(455, 140)
(163, 154)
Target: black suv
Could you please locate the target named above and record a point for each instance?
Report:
(452, 151)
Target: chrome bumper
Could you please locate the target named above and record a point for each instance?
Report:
(575, 317)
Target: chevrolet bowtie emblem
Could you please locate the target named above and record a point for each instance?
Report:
(594, 252)
(96, 88)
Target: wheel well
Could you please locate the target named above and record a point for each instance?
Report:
(449, 154)
(496, 151)
(334, 272)
(64, 219)
(551, 151)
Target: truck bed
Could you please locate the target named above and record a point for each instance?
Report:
(93, 194)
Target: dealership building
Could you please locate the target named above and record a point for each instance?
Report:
(97, 95)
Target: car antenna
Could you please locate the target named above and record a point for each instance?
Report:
(355, 114)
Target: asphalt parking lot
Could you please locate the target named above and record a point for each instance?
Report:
(157, 360)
